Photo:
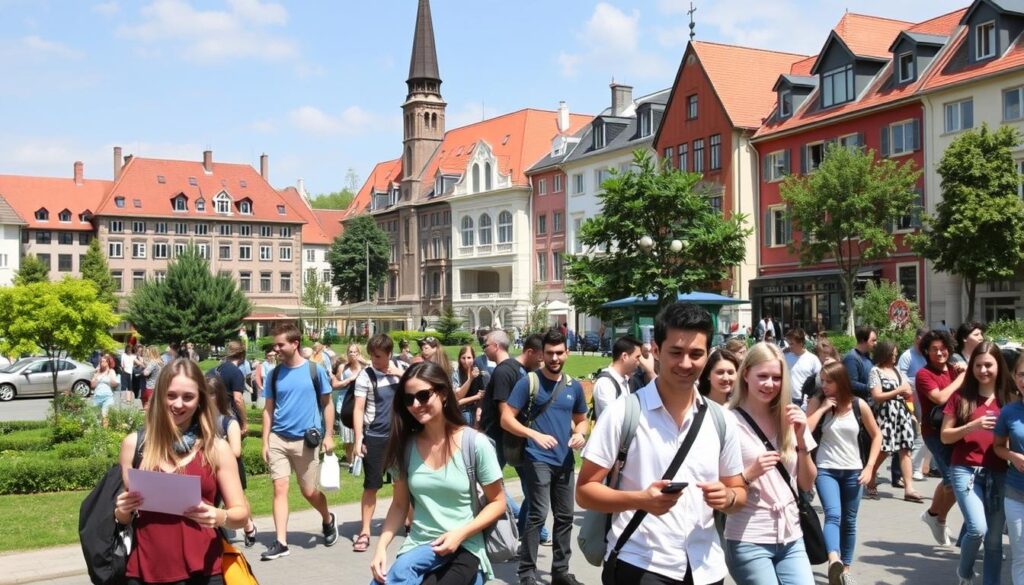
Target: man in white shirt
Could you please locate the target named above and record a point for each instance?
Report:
(676, 544)
(802, 363)
(614, 381)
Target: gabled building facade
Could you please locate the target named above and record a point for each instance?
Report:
(720, 97)
(862, 91)
(11, 225)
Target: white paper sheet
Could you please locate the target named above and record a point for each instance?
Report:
(169, 493)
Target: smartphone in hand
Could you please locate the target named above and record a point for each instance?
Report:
(674, 488)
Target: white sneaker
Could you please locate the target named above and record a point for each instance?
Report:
(938, 528)
(918, 476)
(965, 581)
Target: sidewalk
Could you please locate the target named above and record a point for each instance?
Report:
(893, 548)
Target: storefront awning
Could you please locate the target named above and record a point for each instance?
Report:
(820, 273)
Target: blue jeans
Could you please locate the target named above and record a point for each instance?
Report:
(940, 455)
(768, 564)
(840, 497)
(414, 564)
(979, 493)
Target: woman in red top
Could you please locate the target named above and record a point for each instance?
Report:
(181, 437)
(935, 383)
(978, 474)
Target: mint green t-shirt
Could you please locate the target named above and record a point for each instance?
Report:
(441, 499)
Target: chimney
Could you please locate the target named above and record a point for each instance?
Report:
(78, 172)
(265, 167)
(301, 188)
(622, 98)
(563, 117)
(118, 161)
(208, 161)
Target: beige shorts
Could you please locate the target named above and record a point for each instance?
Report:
(287, 455)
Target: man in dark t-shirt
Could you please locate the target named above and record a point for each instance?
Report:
(504, 377)
(234, 380)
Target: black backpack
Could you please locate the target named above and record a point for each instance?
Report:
(348, 405)
(102, 539)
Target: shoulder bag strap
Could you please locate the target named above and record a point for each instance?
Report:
(768, 445)
(630, 421)
(562, 382)
(314, 377)
(469, 461)
(673, 467)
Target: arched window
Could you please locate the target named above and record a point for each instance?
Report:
(487, 177)
(486, 236)
(426, 120)
(504, 227)
(476, 178)
(433, 121)
(467, 231)
(408, 161)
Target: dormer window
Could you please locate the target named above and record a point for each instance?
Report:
(646, 121)
(280, 209)
(837, 86)
(906, 67)
(192, 181)
(599, 136)
(985, 40)
(180, 203)
(119, 202)
(64, 216)
(200, 204)
(222, 203)
(42, 214)
(785, 104)
(245, 208)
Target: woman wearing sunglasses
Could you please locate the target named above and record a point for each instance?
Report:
(446, 542)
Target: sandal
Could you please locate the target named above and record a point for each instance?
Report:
(913, 497)
(361, 543)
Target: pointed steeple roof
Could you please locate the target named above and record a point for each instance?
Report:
(423, 64)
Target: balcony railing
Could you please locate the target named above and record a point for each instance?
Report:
(485, 296)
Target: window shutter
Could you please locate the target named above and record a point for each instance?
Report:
(789, 225)
(767, 228)
(786, 163)
(967, 115)
(885, 141)
(803, 160)
(915, 130)
(765, 170)
(860, 139)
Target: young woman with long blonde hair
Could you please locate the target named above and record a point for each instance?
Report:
(764, 543)
(181, 438)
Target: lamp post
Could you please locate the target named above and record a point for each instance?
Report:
(675, 246)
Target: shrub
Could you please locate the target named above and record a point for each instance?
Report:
(26, 440)
(74, 450)
(843, 343)
(70, 416)
(1008, 329)
(103, 442)
(10, 426)
(124, 419)
(458, 338)
(872, 308)
(66, 430)
(25, 475)
(411, 336)
(252, 456)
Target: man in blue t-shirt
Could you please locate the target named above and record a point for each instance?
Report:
(295, 403)
(556, 423)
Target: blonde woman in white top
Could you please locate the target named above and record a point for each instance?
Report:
(764, 542)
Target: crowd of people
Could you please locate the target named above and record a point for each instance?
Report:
(704, 458)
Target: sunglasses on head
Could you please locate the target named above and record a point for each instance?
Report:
(423, 396)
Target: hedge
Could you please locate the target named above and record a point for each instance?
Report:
(26, 441)
(36, 475)
(7, 427)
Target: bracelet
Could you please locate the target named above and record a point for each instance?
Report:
(746, 481)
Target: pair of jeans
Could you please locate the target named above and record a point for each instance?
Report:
(548, 486)
(941, 454)
(840, 494)
(979, 493)
(413, 566)
(1013, 507)
(521, 511)
(768, 564)
(627, 573)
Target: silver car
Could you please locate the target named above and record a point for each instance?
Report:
(34, 377)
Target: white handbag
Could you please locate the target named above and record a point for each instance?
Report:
(330, 473)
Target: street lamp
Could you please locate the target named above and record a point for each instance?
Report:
(647, 243)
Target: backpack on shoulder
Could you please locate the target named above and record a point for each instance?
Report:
(348, 405)
(863, 438)
(105, 543)
(514, 447)
(312, 435)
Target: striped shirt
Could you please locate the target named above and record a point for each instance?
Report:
(377, 416)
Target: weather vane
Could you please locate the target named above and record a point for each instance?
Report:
(693, 25)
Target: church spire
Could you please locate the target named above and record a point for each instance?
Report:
(423, 65)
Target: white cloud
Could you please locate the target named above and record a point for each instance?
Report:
(216, 35)
(107, 8)
(35, 49)
(610, 41)
(55, 156)
(351, 121)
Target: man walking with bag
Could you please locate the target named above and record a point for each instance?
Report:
(298, 419)
(555, 410)
(682, 463)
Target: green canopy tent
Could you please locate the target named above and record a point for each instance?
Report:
(643, 309)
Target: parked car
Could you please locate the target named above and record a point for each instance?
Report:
(34, 377)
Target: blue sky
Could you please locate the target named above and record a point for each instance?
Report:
(318, 84)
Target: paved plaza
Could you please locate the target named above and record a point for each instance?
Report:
(895, 548)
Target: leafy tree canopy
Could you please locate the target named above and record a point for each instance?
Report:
(846, 209)
(95, 269)
(336, 200)
(190, 304)
(315, 293)
(32, 270)
(664, 205)
(447, 324)
(348, 257)
(977, 230)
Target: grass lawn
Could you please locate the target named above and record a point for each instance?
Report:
(43, 520)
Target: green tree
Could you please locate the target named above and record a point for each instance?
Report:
(978, 227)
(190, 304)
(872, 308)
(63, 319)
(315, 293)
(537, 315)
(846, 209)
(95, 269)
(336, 200)
(32, 270)
(361, 239)
(664, 205)
(447, 324)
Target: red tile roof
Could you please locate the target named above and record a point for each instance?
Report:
(384, 174)
(330, 222)
(517, 139)
(867, 34)
(29, 194)
(952, 66)
(743, 78)
(140, 182)
(312, 231)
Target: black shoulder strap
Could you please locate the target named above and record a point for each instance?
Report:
(140, 438)
(855, 406)
(562, 383)
(768, 445)
(372, 376)
(273, 381)
(670, 473)
(608, 375)
(314, 376)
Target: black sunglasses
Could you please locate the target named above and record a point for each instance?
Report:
(423, 396)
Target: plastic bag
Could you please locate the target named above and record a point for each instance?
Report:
(330, 473)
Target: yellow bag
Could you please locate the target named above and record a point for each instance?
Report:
(235, 567)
